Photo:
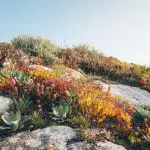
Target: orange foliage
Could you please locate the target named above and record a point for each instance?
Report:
(103, 105)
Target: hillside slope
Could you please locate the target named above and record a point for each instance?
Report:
(45, 86)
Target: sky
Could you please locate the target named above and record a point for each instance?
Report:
(119, 28)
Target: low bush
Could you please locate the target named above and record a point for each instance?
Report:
(36, 46)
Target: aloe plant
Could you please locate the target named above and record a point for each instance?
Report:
(62, 111)
(21, 105)
(12, 120)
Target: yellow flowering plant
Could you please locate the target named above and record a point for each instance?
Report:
(41, 73)
(102, 105)
(54, 72)
(4, 82)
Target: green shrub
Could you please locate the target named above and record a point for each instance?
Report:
(36, 46)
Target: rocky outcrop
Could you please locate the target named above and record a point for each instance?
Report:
(132, 94)
(4, 104)
(53, 138)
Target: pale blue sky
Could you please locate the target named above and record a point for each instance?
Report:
(120, 28)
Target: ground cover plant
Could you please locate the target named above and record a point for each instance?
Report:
(43, 97)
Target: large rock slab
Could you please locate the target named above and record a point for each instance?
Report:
(52, 138)
(4, 104)
(134, 95)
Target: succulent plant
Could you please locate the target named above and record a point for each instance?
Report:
(62, 111)
(20, 76)
(12, 120)
(141, 113)
(20, 105)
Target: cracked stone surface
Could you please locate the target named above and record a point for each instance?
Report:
(53, 138)
(134, 95)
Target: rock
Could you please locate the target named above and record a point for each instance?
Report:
(73, 74)
(98, 134)
(106, 145)
(134, 95)
(52, 138)
(4, 104)
(81, 146)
